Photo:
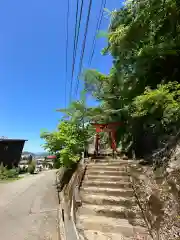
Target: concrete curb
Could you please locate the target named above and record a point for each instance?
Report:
(67, 218)
(62, 222)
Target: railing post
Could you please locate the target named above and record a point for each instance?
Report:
(133, 155)
(83, 158)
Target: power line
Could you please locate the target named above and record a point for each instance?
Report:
(79, 24)
(76, 41)
(103, 4)
(84, 45)
(74, 47)
(67, 43)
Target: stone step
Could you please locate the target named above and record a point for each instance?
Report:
(108, 225)
(109, 164)
(107, 211)
(97, 235)
(110, 160)
(106, 172)
(100, 199)
(112, 163)
(108, 191)
(106, 168)
(106, 184)
(103, 177)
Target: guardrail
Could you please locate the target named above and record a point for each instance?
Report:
(69, 202)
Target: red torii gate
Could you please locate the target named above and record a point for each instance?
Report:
(106, 127)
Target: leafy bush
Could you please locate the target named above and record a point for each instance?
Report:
(12, 173)
(31, 167)
(161, 104)
(8, 173)
(67, 142)
(155, 116)
(56, 163)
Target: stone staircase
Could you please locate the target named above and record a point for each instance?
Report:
(109, 210)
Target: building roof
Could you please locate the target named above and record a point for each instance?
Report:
(11, 140)
(51, 157)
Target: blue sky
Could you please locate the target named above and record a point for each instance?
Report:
(32, 63)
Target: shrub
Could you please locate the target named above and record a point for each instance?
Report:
(12, 173)
(2, 172)
(31, 167)
(8, 173)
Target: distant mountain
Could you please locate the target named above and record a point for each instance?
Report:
(28, 153)
(42, 154)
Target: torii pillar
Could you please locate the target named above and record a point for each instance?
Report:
(109, 127)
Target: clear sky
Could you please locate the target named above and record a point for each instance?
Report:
(32, 63)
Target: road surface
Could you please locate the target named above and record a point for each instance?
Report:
(29, 208)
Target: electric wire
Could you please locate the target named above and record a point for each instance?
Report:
(103, 4)
(77, 41)
(79, 24)
(83, 45)
(78, 30)
(74, 48)
(67, 45)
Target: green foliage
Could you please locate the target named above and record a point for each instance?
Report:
(162, 103)
(68, 140)
(56, 163)
(70, 137)
(6, 173)
(31, 167)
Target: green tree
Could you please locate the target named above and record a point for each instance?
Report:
(146, 52)
(71, 135)
(67, 142)
(31, 167)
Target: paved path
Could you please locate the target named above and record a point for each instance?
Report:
(29, 208)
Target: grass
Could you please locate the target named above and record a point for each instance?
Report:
(8, 175)
(11, 179)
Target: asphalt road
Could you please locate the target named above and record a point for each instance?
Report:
(29, 208)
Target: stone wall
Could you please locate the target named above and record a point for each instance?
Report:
(158, 196)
